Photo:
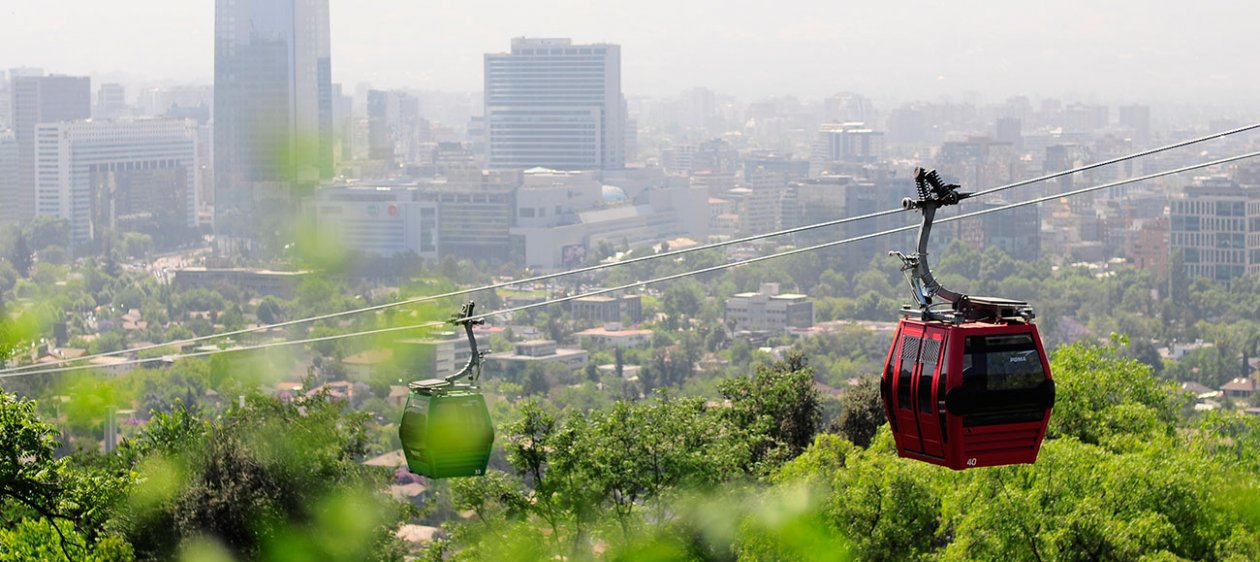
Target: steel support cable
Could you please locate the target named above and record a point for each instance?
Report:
(1119, 159)
(597, 267)
(640, 259)
(673, 277)
(462, 292)
(267, 345)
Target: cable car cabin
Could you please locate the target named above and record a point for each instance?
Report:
(969, 385)
(967, 395)
(446, 430)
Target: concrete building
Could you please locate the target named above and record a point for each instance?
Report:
(760, 202)
(6, 106)
(678, 159)
(536, 352)
(978, 162)
(379, 221)
(116, 176)
(613, 335)
(466, 214)
(272, 106)
(1216, 228)
(769, 311)
(40, 99)
(772, 163)
(658, 214)
(10, 184)
(440, 355)
(561, 215)
(393, 119)
(554, 104)
(549, 198)
(475, 212)
(845, 143)
(832, 197)
(1136, 120)
(1017, 231)
(111, 101)
(603, 309)
(1146, 242)
(1009, 130)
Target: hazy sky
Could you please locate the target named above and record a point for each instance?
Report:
(1185, 52)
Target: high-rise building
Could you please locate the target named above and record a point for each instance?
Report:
(845, 143)
(978, 162)
(41, 99)
(554, 104)
(1137, 119)
(272, 105)
(111, 100)
(393, 119)
(9, 186)
(106, 176)
(1216, 227)
(823, 199)
(1009, 130)
(343, 125)
(1017, 232)
(6, 115)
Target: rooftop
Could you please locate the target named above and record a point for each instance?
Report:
(1240, 384)
(604, 331)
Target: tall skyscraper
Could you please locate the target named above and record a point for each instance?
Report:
(554, 104)
(393, 117)
(40, 99)
(272, 105)
(10, 197)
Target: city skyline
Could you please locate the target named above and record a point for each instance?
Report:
(1125, 52)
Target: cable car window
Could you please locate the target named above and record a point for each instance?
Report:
(909, 352)
(931, 353)
(1002, 376)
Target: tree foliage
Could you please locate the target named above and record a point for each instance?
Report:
(779, 408)
(268, 478)
(861, 413)
(43, 494)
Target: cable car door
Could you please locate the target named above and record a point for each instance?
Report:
(931, 353)
(907, 358)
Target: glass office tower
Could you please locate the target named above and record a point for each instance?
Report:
(272, 106)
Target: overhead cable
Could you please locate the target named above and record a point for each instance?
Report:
(602, 266)
(666, 278)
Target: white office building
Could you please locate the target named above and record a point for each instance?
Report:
(379, 221)
(110, 176)
(560, 216)
(554, 104)
(769, 310)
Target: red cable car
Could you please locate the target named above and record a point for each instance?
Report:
(969, 385)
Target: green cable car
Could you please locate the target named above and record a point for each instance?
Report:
(446, 430)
